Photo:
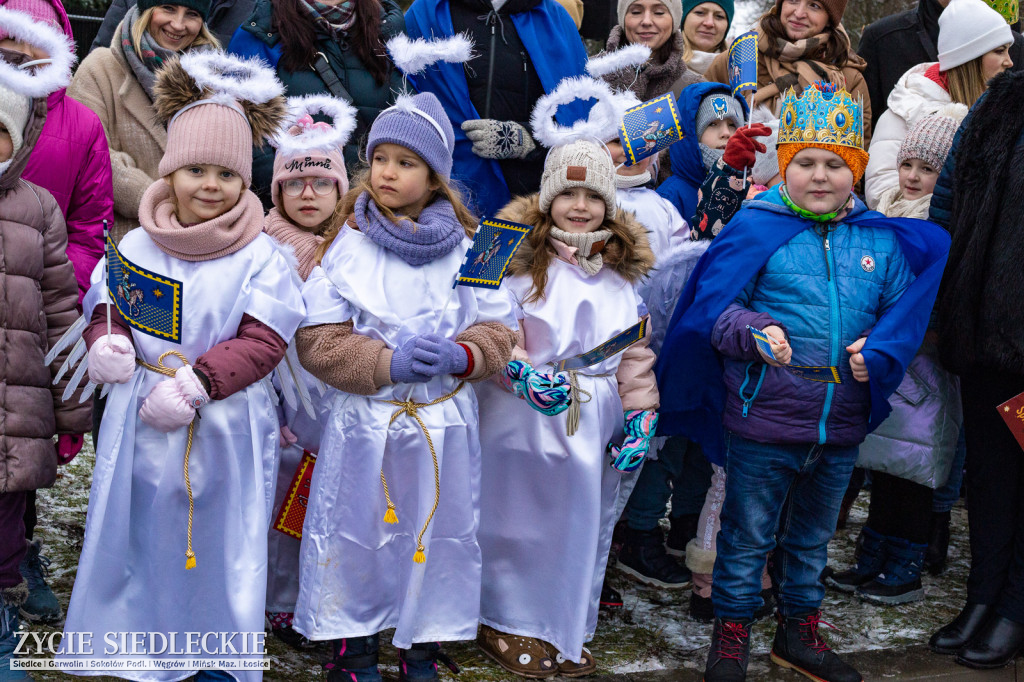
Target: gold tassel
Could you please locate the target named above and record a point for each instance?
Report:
(190, 561)
(390, 516)
(419, 557)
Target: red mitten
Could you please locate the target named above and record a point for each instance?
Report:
(741, 148)
(69, 445)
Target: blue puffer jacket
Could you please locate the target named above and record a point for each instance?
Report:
(688, 171)
(825, 292)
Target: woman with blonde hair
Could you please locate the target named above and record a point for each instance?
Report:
(974, 47)
(117, 83)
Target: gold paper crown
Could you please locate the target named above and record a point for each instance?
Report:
(824, 114)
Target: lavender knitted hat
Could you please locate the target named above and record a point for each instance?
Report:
(932, 136)
(420, 124)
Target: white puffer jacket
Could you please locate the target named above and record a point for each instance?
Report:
(914, 97)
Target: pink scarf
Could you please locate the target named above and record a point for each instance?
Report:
(208, 240)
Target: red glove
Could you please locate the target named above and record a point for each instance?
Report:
(69, 445)
(740, 149)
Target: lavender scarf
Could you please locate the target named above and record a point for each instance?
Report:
(435, 234)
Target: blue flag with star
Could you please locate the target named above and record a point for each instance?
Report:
(743, 63)
(494, 244)
(146, 300)
(650, 127)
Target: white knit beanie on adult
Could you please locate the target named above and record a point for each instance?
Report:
(675, 8)
(969, 29)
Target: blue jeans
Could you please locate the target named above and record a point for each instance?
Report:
(680, 472)
(782, 497)
(946, 496)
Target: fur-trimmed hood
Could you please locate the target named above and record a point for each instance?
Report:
(526, 210)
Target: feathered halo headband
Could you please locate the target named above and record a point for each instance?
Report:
(300, 133)
(414, 55)
(40, 77)
(603, 116)
(629, 57)
(248, 86)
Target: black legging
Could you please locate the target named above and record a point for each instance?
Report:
(995, 493)
(900, 508)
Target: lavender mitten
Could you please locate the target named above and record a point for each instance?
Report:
(165, 408)
(402, 371)
(111, 360)
(435, 355)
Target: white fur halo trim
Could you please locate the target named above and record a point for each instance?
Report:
(602, 118)
(55, 74)
(414, 55)
(342, 114)
(629, 57)
(249, 80)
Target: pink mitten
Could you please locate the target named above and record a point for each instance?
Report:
(165, 409)
(111, 360)
(191, 387)
(286, 437)
(69, 445)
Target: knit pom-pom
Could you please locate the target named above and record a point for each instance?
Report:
(49, 75)
(413, 55)
(629, 57)
(602, 117)
(317, 136)
(953, 110)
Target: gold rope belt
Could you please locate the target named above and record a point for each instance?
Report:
(572, 417)
(410, 407)
(160, 368)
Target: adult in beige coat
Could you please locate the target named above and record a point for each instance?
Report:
(115, 82)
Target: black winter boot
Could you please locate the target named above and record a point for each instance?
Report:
(955, 635)
(799, 646)
(419, 663)
(900, 579)
(996, 644)
(870, 556)
(354, 660)
(643, 557)
(730, 651)
(938, 543)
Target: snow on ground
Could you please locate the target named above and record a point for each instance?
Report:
(652, 631)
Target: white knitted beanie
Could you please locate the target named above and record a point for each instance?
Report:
(14, 111)
(583, 163)
(967, 30)
(675, 8)
(931, 137)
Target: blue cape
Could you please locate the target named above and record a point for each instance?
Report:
(689, 370)
(543, 31)
(688, 172)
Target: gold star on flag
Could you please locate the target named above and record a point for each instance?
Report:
(158, 294)
(658, 110)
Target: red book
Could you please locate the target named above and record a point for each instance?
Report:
(1012, 412)
(293, 510)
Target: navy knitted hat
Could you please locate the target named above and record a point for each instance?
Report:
(201, 6)
(420, 124)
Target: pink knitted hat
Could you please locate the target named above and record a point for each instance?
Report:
(40, 10)
(217, 107)
(309, 149)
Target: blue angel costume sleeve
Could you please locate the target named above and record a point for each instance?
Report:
(689, 370)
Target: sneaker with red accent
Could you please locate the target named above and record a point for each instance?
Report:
(799, 646)
(730, 651)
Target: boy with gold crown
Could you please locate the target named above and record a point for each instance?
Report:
(796, 325)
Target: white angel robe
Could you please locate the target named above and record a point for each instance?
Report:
(358, 573)
(131, 574)
(547, 499)
(283, 549)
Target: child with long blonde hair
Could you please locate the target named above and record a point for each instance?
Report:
(389, 539)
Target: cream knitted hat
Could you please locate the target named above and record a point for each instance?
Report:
(14, 111)
(583, 163)
(969, 29)
(675, 8)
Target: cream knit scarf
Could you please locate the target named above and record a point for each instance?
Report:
(586, 257)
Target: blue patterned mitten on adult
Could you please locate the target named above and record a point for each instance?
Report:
(546, 393)
(640, 427)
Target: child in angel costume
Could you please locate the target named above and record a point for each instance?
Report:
(176, 533)
(390, 534)
(308, 182)
(548, 499)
